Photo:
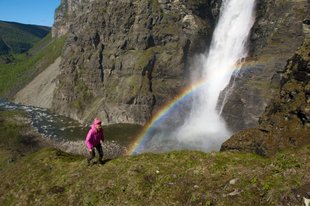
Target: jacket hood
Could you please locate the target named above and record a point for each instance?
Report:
(95, 122)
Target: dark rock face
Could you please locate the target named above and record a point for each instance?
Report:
(124, 59)
(66, 14)
(277, 33)
(286, 121)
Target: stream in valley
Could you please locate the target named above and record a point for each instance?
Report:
(50, 125)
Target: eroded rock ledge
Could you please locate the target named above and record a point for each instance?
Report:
(286, 121)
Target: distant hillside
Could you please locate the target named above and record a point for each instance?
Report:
(26, 66)
(19, 38)
(4, 48)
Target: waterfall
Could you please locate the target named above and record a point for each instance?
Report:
(201, 127)
(204, 126)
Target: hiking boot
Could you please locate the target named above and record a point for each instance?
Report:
(88, 162)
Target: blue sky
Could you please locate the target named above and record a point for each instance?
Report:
(38, 12)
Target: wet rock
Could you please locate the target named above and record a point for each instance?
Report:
(306, 27)
(284, 123)
(276, 35)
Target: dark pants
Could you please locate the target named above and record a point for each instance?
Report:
(92, 153)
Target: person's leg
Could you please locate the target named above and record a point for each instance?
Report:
(100, 152)
(91, 155)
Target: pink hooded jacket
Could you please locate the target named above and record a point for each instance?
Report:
(93, 137)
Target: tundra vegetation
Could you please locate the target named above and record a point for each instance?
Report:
(34, 173)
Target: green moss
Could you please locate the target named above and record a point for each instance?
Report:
(84, 96)
(155, 5)
(10, 132)
(5, 156)
(222, 162)
(133, 86)
(144, 57)
(168, 24)
(113, 90)
(168, 28)
(9, 201)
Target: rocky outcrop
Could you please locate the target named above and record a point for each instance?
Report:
(124, 59)
(65, 15)
(286, 121)
(275, 36)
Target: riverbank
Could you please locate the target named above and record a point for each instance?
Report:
(20, 138)
(68, 134)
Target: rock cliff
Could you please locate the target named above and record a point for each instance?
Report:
(124, 59)
(286, 121)
(65, 14)
(275, 36)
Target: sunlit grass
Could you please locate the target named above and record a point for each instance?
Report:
(51, 177)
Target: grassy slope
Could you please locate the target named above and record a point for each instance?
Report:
(51, 177)
(14, 76)
(16, 136)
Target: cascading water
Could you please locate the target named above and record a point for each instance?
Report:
(204, 126)
(203, 129)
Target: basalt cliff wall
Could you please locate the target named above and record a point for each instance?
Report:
(125, 59)
(279, 30)
(286, 121)
(278, 75)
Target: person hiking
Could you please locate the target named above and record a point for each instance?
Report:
(94, 139)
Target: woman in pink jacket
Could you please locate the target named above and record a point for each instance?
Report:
(94, 139)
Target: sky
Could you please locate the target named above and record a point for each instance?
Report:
(37, 12)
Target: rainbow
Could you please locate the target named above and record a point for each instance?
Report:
(166, 109)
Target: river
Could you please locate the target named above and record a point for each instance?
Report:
(50, 125)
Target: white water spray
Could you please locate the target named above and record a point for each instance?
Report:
(204, 128)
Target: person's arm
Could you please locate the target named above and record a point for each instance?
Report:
(102, 137)
(88, 144)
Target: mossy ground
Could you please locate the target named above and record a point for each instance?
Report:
(51, 177)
